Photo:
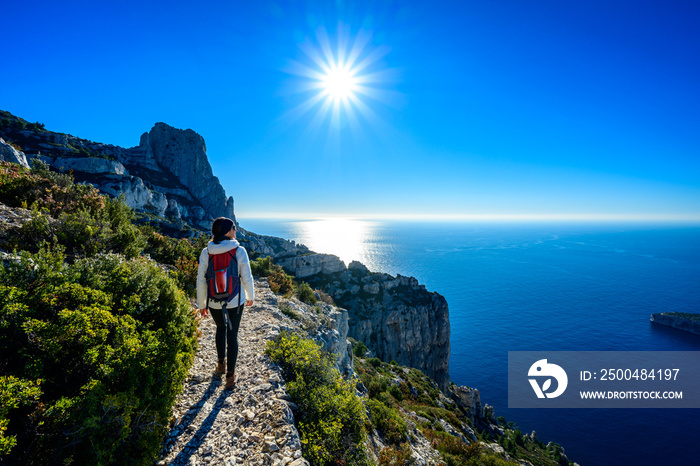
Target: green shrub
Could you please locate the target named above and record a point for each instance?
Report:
(396, 392)
(289, 312)
(387, 421)
(53, 191)
(167, 250)
(518, 436)
(359, 349)
(36, 127)
(109, 230)
(448, 444)
(332, 417)
(84, 233)
(105, 343)
(263, 267)
(185, 274)
(386, 399)
(20, 186)
(74, 215)
(375, 362)
(456, 452)
(182, 254)
(375, 384)
(281, 283)
(325, 297)
(14, 393)
(306, 294)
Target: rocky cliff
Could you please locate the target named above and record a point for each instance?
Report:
(681, 321)
(395, 316)
(168, 174)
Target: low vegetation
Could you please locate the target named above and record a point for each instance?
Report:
(281, 282)
(93, 356)
(332, 417)
(22, 135)
(394, 392)
(96, 338)
(84, 222)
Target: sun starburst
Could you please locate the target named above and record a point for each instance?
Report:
(338, 80)
(340, 83)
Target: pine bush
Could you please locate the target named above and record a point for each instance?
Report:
(332, 417)
(104, 343)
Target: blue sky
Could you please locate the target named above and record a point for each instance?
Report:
(473, 108)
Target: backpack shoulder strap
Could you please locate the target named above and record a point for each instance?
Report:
(232, 252)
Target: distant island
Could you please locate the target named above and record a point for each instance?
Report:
(680, 320)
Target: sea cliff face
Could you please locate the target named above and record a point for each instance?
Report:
(395, 316)
(679, 321)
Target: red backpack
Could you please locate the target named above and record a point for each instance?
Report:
(223, 282)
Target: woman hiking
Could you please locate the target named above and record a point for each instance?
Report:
(228, 308)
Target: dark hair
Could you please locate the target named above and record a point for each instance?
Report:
(220, 227)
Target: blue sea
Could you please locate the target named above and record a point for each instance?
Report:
(544, 287)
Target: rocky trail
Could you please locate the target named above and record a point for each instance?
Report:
(251, 424)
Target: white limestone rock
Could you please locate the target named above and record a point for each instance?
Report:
(469, 399)
(371, 288)
(497, 449)
(136, 194)
(405, 324)
(172, 211)
(334, 338)
(184, 154)
(355, 265)
(10, 154)
(89, 165)
(312, 264)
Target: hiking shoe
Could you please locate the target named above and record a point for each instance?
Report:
(220, 368)
(231, 381)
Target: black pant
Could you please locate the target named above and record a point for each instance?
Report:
(224, 335)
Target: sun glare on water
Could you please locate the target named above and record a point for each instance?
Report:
(344, 238)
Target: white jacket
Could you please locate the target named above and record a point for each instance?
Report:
(243, 272)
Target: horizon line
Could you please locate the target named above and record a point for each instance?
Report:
(683, 218)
